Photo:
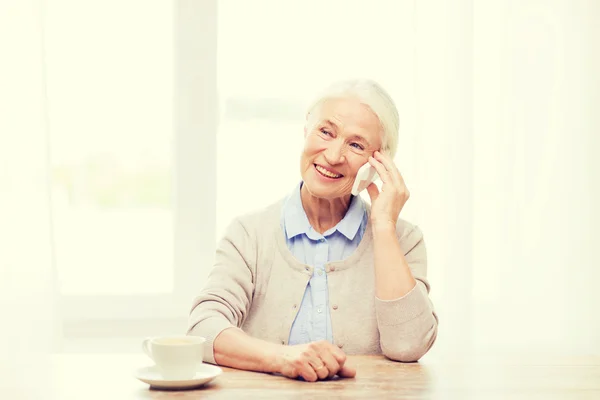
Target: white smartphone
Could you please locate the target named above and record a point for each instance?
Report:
(364, 177)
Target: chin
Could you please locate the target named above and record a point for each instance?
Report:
(322, 191)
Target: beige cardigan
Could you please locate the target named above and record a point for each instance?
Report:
(257, 285)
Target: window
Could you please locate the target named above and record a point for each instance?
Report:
(133, 217)
(111, 127)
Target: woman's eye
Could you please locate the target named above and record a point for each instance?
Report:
(325, 132)
(357, 146)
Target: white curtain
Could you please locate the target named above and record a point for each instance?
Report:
(536, 175)
(30, 324)
(508, 172)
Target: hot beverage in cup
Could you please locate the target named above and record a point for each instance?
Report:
(177, 357)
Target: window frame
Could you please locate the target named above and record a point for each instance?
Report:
(195, 122)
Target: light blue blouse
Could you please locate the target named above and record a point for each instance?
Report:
(313, 321)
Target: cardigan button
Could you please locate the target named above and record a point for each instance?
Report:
(340, 345)
(335, 306)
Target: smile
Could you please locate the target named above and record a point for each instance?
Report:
(327, 173)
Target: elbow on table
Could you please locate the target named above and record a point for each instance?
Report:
(407, 350)
(405, 355)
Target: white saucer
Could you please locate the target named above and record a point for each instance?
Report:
(153, 377)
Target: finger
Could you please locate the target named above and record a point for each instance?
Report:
(308, 373)
(390, 166)
(394, 175)
(322, 371)
(338, 354)
(317, 364)
(384, 175)
(373, 191)
(347, 371)
(333, 366)
(319, 367)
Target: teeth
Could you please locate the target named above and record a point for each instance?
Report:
(326, 173)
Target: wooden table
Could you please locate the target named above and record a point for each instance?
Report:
(110, 377)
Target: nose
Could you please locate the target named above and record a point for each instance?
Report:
(334, 153)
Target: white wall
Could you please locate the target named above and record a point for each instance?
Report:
(536, 86)
(506, 143)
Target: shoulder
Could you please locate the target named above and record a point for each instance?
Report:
(251, 234)
(405, 228)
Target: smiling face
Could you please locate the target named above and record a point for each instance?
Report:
(339, 138)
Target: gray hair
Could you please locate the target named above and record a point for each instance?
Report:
(371, 94)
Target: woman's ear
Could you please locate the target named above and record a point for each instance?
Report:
(384, 150)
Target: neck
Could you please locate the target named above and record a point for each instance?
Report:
(324, 214)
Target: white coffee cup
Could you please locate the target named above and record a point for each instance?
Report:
(177, 357)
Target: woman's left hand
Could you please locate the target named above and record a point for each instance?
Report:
(387, 204)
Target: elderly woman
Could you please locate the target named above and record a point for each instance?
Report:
(321, 274)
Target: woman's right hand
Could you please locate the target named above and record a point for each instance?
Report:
(314, 361)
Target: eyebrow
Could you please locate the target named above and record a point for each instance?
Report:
(354, 137)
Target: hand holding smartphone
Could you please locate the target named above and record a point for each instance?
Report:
(364, 177)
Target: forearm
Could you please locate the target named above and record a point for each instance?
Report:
(393, 278)
(234, 348)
